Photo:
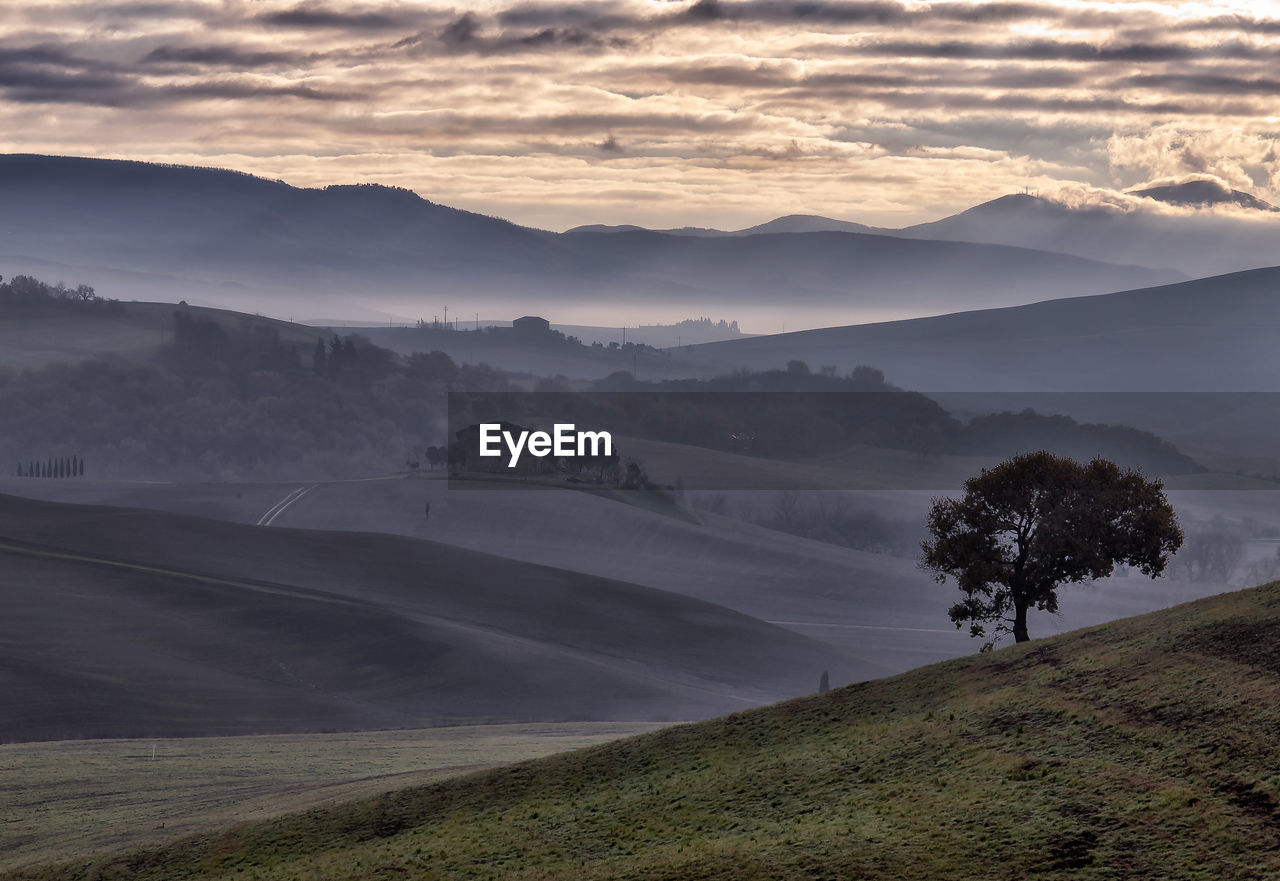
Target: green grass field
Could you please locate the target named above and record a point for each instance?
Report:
(1140, 749)
(65, 799)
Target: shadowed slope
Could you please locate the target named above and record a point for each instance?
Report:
(125, 623)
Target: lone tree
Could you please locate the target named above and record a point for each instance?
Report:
(1038, 521)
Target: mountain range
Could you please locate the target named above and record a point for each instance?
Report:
(136, 230)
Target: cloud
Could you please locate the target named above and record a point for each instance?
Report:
(1058, 50)
(220, 56)
(313, 15)
(1241, 160)
(462, 31)
(1205, 83)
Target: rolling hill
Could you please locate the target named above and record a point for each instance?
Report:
(1208, 335)
(1141, 749)
(135, 623)
(882, 613)
(217, 237)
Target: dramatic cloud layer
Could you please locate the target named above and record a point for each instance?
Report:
(716, 112)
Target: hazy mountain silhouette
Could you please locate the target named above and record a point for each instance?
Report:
(703, 231)
(840, 270)
(1197, 245)
(787, 223)
(1204, 192)
(135, 229)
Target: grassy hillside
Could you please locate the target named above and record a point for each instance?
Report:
(135, 623)
(1144, 749)
(77, 797)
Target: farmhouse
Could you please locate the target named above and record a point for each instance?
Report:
(531, 326)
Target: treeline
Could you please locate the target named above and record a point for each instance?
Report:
(26, 297)
(233, 401)
(797, 413)
(1008, 433)
(62, 466)
(779, 414)
(705, 323)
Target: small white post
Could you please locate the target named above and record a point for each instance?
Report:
(153, 751)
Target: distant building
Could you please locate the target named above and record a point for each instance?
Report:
(531, 325)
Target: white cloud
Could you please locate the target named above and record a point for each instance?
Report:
(1240, 159)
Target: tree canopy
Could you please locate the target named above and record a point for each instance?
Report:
(1037, 521)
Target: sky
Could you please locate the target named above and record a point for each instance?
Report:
(718, 113)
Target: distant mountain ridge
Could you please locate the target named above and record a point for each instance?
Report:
(136, 230)
(1194, 245)
(1204, 192)
(790, 223)
(1197, 245)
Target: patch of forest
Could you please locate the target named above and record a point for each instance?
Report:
(25, 297)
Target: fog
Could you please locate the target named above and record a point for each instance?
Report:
(279, 425)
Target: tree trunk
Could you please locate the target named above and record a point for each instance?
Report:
(1020, 622)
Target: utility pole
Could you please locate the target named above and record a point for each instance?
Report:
(446, 316)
